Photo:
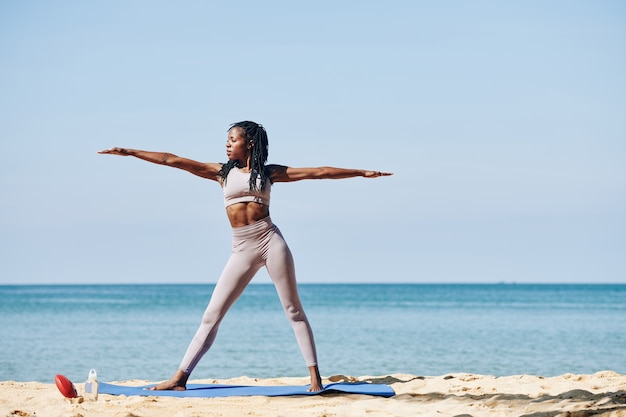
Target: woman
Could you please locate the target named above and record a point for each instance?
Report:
(257, 242)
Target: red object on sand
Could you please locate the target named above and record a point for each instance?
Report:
(66, 386)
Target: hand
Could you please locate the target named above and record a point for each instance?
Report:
(374, 174)
(115, 151)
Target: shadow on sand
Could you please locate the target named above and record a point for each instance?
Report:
(608, 403)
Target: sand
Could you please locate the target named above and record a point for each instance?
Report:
(461, 395)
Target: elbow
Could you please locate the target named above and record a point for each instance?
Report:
(328, 173)
(338, 173)
(169, 159)
(325, 173)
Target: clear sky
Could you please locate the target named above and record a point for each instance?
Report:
(504, 123)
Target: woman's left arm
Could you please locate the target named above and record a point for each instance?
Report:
(281, 173)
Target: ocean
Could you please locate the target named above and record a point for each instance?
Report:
(142, 331)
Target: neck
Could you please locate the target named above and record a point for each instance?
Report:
(244, 165)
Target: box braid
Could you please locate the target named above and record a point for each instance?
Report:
(256, 133)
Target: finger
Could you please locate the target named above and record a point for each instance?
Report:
(111, 151)
(376, 174)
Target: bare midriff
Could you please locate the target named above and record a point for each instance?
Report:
(243, 214)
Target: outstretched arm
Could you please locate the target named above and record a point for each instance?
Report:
(280, 173)
(201, 169)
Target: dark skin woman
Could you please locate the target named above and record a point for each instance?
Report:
(257, 242)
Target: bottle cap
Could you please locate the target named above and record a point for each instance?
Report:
(92, 375)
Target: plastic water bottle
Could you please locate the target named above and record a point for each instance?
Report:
(91, 386)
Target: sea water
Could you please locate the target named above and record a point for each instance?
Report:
(142, 331)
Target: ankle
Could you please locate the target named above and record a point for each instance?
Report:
(180, 378)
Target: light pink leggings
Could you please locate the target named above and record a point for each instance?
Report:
(255, 245)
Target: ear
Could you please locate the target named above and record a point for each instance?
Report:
(251, 144)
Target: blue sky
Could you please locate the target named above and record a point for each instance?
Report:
(502, 121)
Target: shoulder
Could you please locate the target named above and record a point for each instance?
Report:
(211, 170)
(277, 173)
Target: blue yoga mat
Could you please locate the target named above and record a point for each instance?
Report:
(215, 390)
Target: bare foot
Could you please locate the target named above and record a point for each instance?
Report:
(315, 387)
(316, 379)
(178, 382)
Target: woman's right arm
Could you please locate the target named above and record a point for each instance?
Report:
(202, 169)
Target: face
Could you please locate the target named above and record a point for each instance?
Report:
(236, 147)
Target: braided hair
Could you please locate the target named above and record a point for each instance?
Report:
(255, 133)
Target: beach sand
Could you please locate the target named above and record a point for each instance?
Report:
(461, 395)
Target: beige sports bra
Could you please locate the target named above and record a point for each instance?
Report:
(237, 189)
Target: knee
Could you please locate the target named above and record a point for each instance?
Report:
(211, 318)
(294, 313)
